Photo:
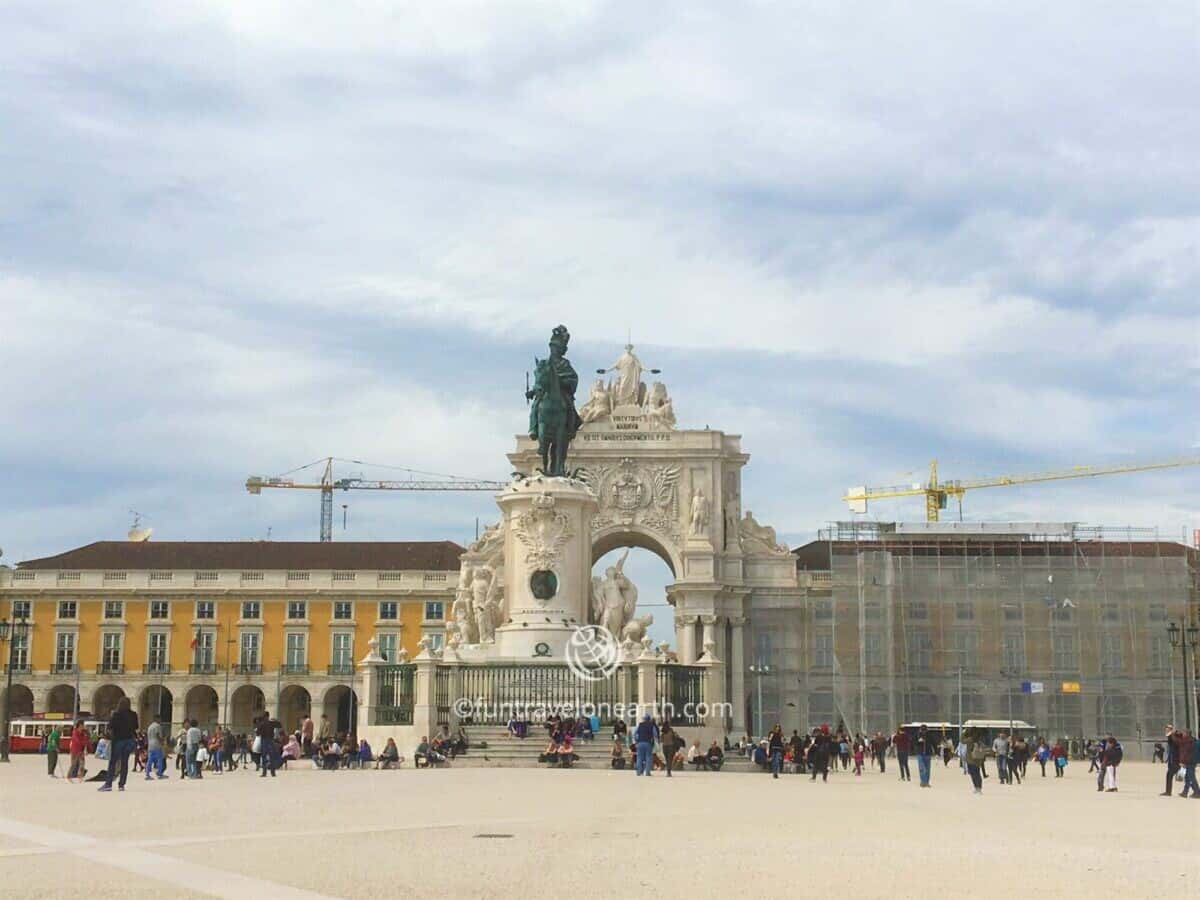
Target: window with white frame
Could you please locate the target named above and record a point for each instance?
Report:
(343, 610)
(160, 609)
(110, 650)
(435, 641)
(114, 609)
(251, 609)
(966, 649)
(388, 643)
(156, 655)
(388, 610)
(64, 650)
(297, 609)
(67, 609)
(204, 653)
(873, 649)
(434, 611)
(205, 609)
(22, 609)
(920, 651)
(20, 649)
(343, 649)
(296, 646)
(248, 655)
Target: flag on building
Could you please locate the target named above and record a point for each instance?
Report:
(195, 640)
(1032, 687)
(1070, 687)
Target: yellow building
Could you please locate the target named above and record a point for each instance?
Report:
(219, 631)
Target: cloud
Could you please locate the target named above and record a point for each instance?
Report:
(237, 237)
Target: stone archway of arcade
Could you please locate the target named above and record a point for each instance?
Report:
(21, 700)
(295, 703)
(105, 699)
(340, 704)
(156, 701)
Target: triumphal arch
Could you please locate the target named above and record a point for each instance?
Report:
(673, 490)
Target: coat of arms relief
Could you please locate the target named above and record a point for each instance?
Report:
(633, 494)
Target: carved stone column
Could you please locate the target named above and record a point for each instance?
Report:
(737, 665)
(685, 634)
(368, 686)
(710, 636)
(647, 676)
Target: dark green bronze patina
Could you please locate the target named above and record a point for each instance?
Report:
(553, 420)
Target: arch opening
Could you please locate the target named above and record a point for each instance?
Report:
(21, 701)
(200, 703)
(105, 699)
(650, 572)
(155, 700)
(247, 703)
(61, 699)
(294, 704)
(341, 707)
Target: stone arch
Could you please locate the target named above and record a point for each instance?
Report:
(201, 703)
(340, 704)
(245, 704)
(61, 699)
(609, 539)
(105, 699)
(155, 700)
(294, 704)
(21, 699)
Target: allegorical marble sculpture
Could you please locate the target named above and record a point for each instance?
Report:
(614, 598)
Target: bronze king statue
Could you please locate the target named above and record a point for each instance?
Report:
(553, 420)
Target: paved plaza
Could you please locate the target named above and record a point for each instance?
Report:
(494, 833)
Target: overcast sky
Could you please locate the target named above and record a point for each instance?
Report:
(236, 237)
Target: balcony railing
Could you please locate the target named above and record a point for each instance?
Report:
(290, 669)
(63, 669)
(340, 669)
(18, 668)
(110, 669)
(247, 669)
(156, 669)
(209, 668)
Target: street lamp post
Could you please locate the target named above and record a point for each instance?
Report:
(1185, 639)
(759, 671)
(9, 631)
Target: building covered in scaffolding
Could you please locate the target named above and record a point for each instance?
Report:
(1062, 626)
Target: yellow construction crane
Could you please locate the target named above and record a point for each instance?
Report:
(327, 485)
(937, 493)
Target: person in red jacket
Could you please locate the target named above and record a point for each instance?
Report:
(79, 747)
(1059, 754)
(901, 742)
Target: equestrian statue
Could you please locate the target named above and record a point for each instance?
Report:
(553, 420)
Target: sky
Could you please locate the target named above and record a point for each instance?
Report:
(236, 237)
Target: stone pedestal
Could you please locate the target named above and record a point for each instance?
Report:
(548, 565)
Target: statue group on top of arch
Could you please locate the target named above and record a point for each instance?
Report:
(624, 393)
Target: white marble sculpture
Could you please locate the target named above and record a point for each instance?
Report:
(599, 403)
(635, 629)
(490, 545)
(626, 389)
(483, 603)
(614, 597)
(462, 613)
(700, 513)
(758, 537)
(659, 410)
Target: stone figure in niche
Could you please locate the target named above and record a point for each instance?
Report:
(614, 597)
(599, 403)
(659, 410)
(626, 389)
(700, 513)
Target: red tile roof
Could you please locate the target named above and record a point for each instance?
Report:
(254, 555)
